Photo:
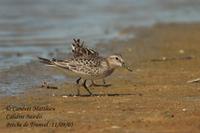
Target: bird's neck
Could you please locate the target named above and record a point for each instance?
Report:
(108, 65)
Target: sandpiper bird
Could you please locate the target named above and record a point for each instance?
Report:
(87, 64)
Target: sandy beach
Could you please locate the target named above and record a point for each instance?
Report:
(154, 98)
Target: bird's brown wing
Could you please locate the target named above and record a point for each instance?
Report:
(83, 65)
(79, 50)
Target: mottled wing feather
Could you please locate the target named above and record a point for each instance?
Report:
(79, 50)
(83, 65)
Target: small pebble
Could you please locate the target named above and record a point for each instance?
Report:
(181, 51)
(115, 126)
(164, 58)
(64, 96)
(184, 109)
(70, 112)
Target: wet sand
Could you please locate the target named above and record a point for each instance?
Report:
(154, 98)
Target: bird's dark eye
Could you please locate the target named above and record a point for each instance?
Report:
(117, 58)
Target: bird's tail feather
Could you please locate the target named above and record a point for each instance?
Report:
(54, 62)
(46, 61)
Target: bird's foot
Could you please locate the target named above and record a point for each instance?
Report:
(99, 85)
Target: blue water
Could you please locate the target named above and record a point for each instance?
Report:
(31, 28)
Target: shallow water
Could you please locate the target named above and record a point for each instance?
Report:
(31, 28)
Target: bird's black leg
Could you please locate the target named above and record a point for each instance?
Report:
(85, 86)
(78, 80)
(78, 92)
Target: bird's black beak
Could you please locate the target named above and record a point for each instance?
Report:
(126, 67)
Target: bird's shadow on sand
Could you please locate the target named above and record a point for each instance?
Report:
(105, 95)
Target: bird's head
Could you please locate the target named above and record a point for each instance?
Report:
(116, 60)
